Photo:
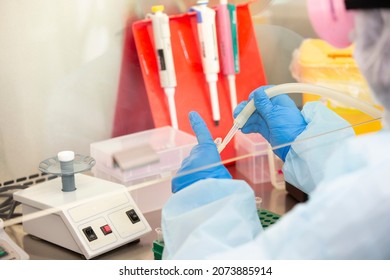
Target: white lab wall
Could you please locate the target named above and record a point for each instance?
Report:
(57, 58)
(59, 70)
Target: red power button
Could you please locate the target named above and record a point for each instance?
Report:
(106, 229)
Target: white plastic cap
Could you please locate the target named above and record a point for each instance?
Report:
(258, 200)
(65, 156)
(202, 2)
(159, 232)
(157, 8)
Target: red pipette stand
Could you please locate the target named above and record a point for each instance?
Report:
(192, 91)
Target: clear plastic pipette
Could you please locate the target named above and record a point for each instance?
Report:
(238, 123)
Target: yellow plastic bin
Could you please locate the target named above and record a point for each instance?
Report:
(317, 62)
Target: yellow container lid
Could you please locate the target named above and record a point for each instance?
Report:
(316, 52)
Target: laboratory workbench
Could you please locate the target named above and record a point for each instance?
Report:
(275, 200)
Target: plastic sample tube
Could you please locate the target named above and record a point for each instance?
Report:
(209, 51)
(258, 201)
(226, 54)
(166, 67)
(159, 233)
(249, 109)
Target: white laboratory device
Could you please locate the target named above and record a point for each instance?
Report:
(94, 218)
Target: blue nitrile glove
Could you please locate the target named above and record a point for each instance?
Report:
(205, 153)
(278, 119)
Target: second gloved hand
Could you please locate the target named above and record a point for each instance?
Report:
(278, 119)
(204, 160)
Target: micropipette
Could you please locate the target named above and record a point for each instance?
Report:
(233, 26)
(166, 67)
(209, 51)
(238, 123)
(227, 56)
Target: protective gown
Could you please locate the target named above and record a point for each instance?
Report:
(346, 216)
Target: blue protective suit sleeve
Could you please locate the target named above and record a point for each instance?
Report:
(325, 130)
(211, 215)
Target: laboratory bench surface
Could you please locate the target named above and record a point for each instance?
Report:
(274, 200)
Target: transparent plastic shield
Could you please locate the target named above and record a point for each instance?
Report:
(255, 164)
(70, 73)
(280, 26)
(69, 92)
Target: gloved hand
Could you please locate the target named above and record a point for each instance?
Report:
(204, 160)
(278, 119)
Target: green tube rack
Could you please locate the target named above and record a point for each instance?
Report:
(267, 218)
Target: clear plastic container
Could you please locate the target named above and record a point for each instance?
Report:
(170, 145)
(148, 184)
(275, 170)
(251, 150)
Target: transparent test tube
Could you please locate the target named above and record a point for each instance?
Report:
(258, 201)
(160, 237)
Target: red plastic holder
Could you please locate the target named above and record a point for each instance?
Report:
(192, 91)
